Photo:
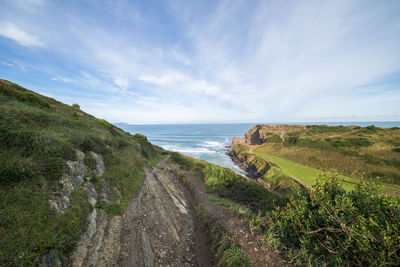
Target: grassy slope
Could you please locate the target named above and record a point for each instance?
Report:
(37, 136)
(353, 151)
(308, 175)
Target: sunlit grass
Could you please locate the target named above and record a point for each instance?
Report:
(308, 176)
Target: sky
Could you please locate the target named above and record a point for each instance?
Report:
(185, 61)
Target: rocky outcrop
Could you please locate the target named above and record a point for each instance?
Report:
(156, 229)
(97, 221)
(254, 166)
(253, 136)
(236, 141)
(72, 178)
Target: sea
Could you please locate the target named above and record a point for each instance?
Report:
(209, 141)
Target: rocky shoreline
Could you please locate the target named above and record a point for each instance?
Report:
(254, 166)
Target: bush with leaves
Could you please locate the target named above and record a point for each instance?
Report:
(336, 227)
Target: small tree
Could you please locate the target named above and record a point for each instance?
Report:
(76, 106)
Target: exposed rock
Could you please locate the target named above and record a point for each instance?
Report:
(156, 229)
(72, 177)
(80, 252)
(254, 166)
(106, 191)
(253, 136)
(91, 193)
(236, 140)
(100, 168)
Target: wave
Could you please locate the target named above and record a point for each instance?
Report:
(212, 144)
(189, 150)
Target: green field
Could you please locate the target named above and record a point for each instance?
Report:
(307, 175)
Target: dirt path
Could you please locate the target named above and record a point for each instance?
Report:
(158, 228)
(254, 246)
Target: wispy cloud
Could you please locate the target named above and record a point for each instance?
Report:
(217, 60)
(13, 32)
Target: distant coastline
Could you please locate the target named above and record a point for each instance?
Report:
(383, 124)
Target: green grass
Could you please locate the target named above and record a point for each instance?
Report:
(241, 211)
(308, 176)
(37, 136)
(367, 152)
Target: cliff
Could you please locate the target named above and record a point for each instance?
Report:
(253, 136)
(254, 166)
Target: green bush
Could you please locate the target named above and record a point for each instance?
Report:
(274, 139)
(349, 142)
(336, 227)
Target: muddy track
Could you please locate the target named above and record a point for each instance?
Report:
(254, 246)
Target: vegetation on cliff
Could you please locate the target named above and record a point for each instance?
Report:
(38, 135)
(326, 225)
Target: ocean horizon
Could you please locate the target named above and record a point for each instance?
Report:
(208, 141)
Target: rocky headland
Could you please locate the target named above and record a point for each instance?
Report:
(240, 152)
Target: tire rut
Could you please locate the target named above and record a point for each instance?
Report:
(158, 227)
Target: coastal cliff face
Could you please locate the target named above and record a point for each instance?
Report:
(254, 166)
(253, 136)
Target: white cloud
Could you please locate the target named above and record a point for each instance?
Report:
(8, 64)
(243, 60)
(13, 32)
(177, 81)
(62, 79)
(121, 82)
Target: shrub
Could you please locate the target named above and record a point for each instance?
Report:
(274, 139)
(338, 227)
(349, 142)
(76, 106)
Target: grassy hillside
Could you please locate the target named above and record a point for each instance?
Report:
(302, 152)
(38, 135)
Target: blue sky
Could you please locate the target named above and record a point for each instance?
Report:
(208, 61)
